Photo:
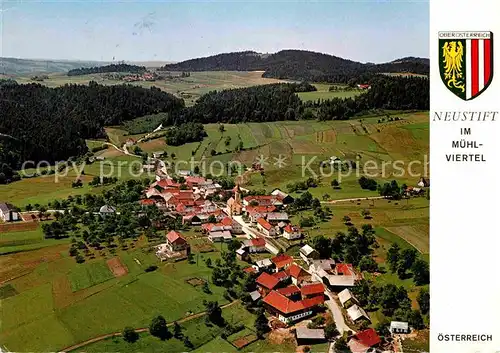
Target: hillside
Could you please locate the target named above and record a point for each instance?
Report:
(14, 66)
(299, 65)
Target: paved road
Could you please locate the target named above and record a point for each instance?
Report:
(337, 313)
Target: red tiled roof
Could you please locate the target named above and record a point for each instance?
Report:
(280, 275)
(194, 179)
(250, 270)
(267, 281)
(282, 260)
(258, 242)
(261, 209)
(175, 238)
(312, 289)
(180, 207)
(345, 269)
(208, 226)
(288, 291)
(287, 306)
(147, 202)
(368, 338)
(265, 224)
(295, 271)
(227, 221)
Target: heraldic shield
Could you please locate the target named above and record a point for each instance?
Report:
(466, 62)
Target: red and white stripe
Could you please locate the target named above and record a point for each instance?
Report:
(478, 70)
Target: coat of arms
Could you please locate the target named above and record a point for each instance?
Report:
(466, 62)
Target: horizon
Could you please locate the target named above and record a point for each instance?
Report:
(112, 31)
(200, 57)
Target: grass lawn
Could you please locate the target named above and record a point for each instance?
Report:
(26, 240)
(88, 275)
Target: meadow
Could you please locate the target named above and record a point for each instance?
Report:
(63, 303)
(323, 93)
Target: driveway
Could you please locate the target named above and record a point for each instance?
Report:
(336, 313)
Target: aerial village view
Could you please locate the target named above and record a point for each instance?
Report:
(265, 199)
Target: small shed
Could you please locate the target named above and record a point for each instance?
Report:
(306, 335)
(107, 210)
(398, 327)
(255, 295)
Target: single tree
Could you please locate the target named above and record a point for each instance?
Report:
(129, 335)
(261, 324)
(177, 330)
(423, 300)
(158, 328)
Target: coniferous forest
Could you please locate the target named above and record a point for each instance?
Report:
(134, 69)
(52, 123)
(299, 65)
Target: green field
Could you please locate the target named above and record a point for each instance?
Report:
(87, 276)
(25, 240)
(323, 93)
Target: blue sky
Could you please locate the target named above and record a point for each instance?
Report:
(375, 31)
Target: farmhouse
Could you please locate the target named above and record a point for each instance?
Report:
(256, 212)
(289, 311)
(282, 196)
(298, 274)
(312, 290)
(308, 254)
(266, 227)
(276, 217)
(357, 313)
(220, 236)
(242, 254)
(266, 282)
(8, 213)
(263, 264)
(282, 262)
(175, 242)
(398, 327)
(362, 341)
(337, 277)
(255, 245)
(291, 232)
(262, 200)
(290, 291)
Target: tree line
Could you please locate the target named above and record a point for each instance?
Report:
(134, 69)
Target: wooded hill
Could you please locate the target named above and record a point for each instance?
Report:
(134, 69)
(52, 123)
(280, 102)
(299, 65)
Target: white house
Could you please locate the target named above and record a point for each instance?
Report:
(291, 232)
(220, 236)
(356, 312)
(345, 296)
(266, 227)
(8, 213)
(307, 253)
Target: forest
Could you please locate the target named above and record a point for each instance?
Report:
(52, 123)
(185, 133)
(134, 69)
(279, 102)
(258, 103)
(299, 65)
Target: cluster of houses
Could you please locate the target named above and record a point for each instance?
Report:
(288, 292)
(422, 184)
